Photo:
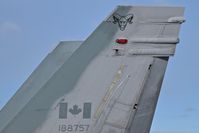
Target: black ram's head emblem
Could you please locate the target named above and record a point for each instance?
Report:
(122, 20)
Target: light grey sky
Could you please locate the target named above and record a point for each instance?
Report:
(29, 30)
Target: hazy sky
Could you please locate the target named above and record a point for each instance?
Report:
(30, 29)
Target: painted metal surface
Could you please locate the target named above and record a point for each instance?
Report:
(100, 86)
(37, 80)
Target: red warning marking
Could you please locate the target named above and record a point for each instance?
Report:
(121, 41)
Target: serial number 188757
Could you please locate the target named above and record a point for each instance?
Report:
(75, 127)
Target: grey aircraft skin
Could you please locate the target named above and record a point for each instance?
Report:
(108, 83)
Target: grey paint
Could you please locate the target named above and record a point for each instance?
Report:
(37, 79)
(100, 86)
(147, 102)
(63, 109)
(87, 111)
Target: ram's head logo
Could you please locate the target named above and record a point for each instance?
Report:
(122, 20)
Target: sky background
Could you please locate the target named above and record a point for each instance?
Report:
(30, 29)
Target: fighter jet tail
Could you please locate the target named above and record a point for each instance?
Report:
(109, 83)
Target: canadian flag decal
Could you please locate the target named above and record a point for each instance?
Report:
(74, 110)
